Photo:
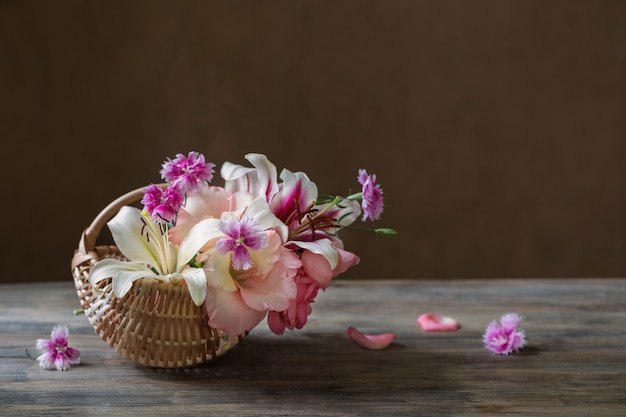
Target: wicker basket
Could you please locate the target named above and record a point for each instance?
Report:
(155, 323)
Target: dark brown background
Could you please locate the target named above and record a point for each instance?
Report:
(497, 128)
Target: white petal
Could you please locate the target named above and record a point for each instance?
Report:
(106, 268)
(109, 268)
(123, 281)
(196, 283)
(322, 247)
(237, 177)
(266, 172)
(126, 229)
(264, 219)
(123, 274)
(259, 181)
(198, 236)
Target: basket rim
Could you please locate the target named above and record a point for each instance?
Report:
(104, 310)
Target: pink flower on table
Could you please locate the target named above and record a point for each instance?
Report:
(56, 352)
(186, 172)
(314, 275)
(162, 204)
(504, 337)
(372, 203)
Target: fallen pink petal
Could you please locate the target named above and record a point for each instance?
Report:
(371, 341)
(437, 323)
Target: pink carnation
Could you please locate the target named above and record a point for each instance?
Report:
(162, 205)
(504, 338)
(56, 353)
(372, 203)
(187, 172)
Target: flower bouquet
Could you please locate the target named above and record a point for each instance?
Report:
(199, 266)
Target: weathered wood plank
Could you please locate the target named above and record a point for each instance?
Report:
(575, 363)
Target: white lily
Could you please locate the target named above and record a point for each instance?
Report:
(150, 254)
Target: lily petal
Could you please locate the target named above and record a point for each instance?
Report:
(259, 211)
(123, 281)
(266, 171)
(207, 202)
(126, 228)
(296, 193)
(228, 312)
(322, 247)
(371, 341)
(196, 284)
(277, 288)
(110, 268)
(261, 181)
(198, 236)
(217, 271)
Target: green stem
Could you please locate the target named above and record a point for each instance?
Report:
(356, 196)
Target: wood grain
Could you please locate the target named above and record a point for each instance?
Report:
(574, 364)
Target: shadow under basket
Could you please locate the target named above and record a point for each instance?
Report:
(156, 323)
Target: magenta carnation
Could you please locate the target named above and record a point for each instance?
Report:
(55, 352)
(372, 203)
(186, 172)
(504, 337)
(162, 204)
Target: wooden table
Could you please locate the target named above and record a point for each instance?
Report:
(574, 364)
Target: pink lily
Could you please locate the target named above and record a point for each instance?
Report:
(237, 300)
(293, 202)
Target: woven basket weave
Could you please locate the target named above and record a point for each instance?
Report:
(155, 323)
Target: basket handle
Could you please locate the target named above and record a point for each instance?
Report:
(90, 234)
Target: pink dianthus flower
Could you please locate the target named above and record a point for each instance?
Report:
(242, 236)
(56, 352)
(186, 172)
(372, 203)
(504, 338)
(162, 205)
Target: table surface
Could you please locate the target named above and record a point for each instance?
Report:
(574, 363)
